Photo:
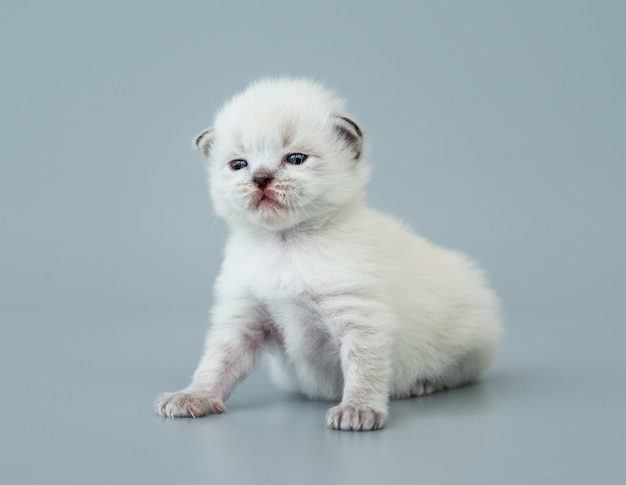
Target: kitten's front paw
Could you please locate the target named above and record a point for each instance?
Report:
(350, 417)
(187, 404)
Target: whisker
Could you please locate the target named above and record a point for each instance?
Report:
(204, 200)
(202, 225)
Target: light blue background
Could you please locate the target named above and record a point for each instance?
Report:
(496, 128)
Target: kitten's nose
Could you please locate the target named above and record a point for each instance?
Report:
(262, 180)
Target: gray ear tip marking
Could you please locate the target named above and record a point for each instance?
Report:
(198, 138)
(353, 124)
(352, 135)
(204, 140)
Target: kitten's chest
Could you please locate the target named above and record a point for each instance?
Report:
(292, 279)
(302, 330)
(286, 270)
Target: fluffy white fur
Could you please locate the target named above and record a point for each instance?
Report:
(350, 305)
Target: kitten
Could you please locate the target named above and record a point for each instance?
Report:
(350, 305)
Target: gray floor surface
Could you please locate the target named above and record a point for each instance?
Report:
(85, 416)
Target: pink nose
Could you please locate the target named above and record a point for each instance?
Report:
(261, 180)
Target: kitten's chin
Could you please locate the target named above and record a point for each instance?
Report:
(271, 216)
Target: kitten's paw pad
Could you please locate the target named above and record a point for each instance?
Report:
(187, 405)
(349, 417)
(426, 387)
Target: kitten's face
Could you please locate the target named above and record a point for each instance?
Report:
(280, 154)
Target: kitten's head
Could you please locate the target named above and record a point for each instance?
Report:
(281, 153)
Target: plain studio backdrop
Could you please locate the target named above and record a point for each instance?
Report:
(496, 128)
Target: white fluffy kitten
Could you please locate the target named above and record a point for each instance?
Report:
(349, 303)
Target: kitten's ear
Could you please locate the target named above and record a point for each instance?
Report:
(204, 141)
(350, 134)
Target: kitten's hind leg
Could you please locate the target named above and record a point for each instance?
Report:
(424, 387)
(464, 372)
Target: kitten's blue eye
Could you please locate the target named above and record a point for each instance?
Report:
(296, 158)
(238, 164)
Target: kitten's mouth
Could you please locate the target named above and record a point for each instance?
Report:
(264, 200)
